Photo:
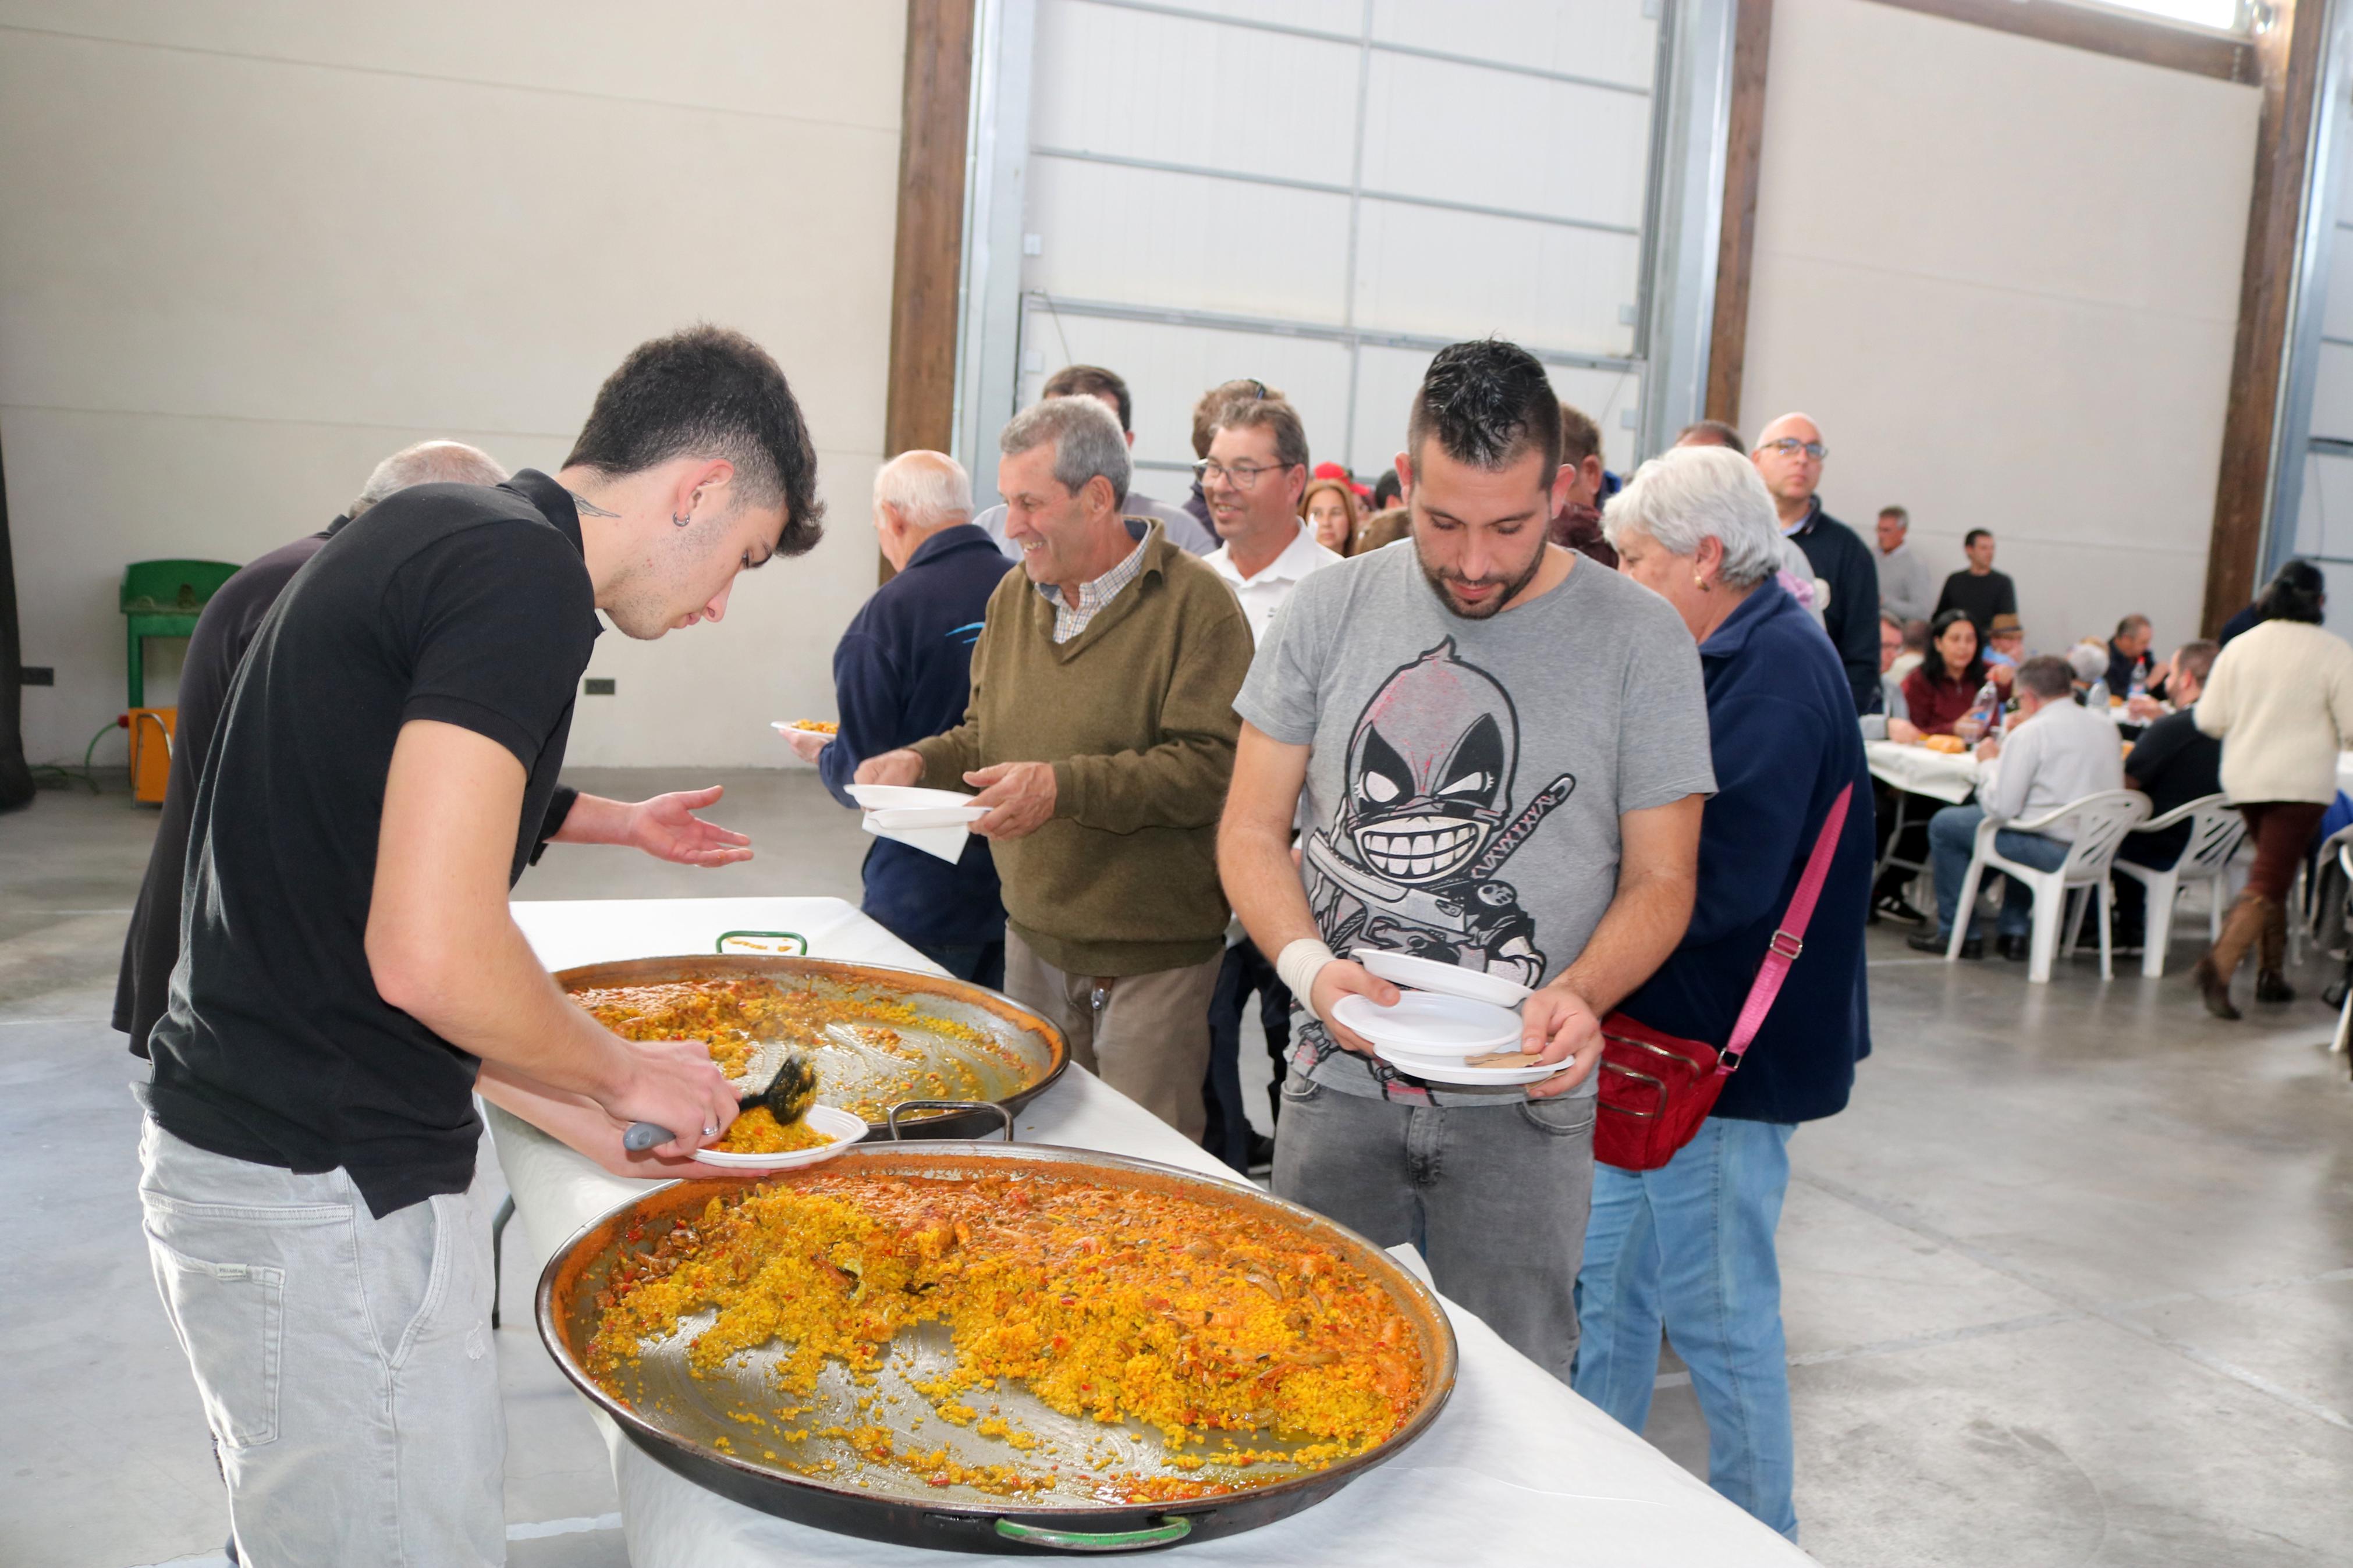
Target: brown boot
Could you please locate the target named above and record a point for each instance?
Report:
(2271, 957)
(2241, 927)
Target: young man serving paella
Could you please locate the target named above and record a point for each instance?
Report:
(349, 967)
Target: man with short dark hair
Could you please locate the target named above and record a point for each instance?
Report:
(1468, 807)
(2173, 764)
(902, 672)
(1788, 456)
(1183, 529)
(2056, 750)
(1100, 732)
(351, 973)
(1980, 592)
(1577, 524)
(1904, 589)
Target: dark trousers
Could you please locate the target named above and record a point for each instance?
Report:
(983, 964)
(2131, 898)
(2283, 831)
(1245, 970)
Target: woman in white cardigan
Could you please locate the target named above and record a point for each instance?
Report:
(2281, 699)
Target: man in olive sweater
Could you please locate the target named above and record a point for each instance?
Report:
(1101, 735)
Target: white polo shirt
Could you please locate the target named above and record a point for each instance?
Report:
(1263, 595)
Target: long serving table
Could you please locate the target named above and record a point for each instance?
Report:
(1517, 1469)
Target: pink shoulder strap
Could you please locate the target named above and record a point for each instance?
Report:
(1788, 940)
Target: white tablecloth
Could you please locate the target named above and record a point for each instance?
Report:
(1944, 776)
(1517, 1469)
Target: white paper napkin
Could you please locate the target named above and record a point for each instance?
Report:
(947, 843)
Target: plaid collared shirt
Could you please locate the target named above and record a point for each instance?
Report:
(1071, 620)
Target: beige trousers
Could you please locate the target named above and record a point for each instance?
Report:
(1147, 1036)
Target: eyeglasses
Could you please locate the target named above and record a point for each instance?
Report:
(1243, 476)
(1790, 446)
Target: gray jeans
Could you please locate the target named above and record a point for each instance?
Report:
(345, 1362)
(1496, 1197)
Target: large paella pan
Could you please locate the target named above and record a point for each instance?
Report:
(992, 1347)
(879, 1036)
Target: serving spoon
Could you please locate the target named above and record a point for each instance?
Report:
(790, 1090)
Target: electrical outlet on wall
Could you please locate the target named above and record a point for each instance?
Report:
(599, 686)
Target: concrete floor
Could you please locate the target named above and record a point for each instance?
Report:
(2069, 1284)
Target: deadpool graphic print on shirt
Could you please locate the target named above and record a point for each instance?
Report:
(1415, 857)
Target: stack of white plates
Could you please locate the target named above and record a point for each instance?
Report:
(1447, 1020)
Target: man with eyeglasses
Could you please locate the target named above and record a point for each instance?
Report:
(1100, 733)
(1183, 529)
(1253, 479)
(1788, 455)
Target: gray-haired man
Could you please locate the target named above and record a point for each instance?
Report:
(1101, 731)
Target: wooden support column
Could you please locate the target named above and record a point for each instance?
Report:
(2290, 57)
(934, 108)
(1744, 145)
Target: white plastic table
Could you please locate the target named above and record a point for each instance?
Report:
(1517, 1469)
(1917, 770)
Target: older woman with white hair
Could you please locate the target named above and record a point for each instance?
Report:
(1688, 1246)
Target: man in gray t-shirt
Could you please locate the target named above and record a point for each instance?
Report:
(1504, 750)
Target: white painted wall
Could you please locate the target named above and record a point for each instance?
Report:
(249, 247)
(2003, 275)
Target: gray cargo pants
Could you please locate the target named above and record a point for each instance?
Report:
(1494, 1196)
(345, 1361)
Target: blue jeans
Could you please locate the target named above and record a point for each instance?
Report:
(1952, 834)
(1688, 1248)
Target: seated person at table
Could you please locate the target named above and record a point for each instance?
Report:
(2005, 651)
(2128, 655)
(2173, 764)
(1892, 722)
(2055, 752)
(1946, 685)
(1916, 649)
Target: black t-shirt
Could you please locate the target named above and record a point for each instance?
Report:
(466, 604)
(232, 619)
(2173, 764)
(1979, 598)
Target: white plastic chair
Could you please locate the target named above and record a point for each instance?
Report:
(2215, 831)
(2345, 1012)
(2101, 823)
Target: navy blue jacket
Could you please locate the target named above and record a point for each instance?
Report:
(902, 673)
(1780, 719)
(1840, 558)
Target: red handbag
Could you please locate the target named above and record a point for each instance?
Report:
(1657, 1088)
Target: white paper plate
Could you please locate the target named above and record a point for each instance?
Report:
(889, 797)
(897, 818)
(1430, 1023)
(840, 1125)
(782, 728)
(1450, 1069)
(1429, 975)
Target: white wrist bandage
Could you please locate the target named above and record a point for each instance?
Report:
(1298, 965)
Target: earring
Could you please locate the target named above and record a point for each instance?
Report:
(678, 522)
(1699, 582)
